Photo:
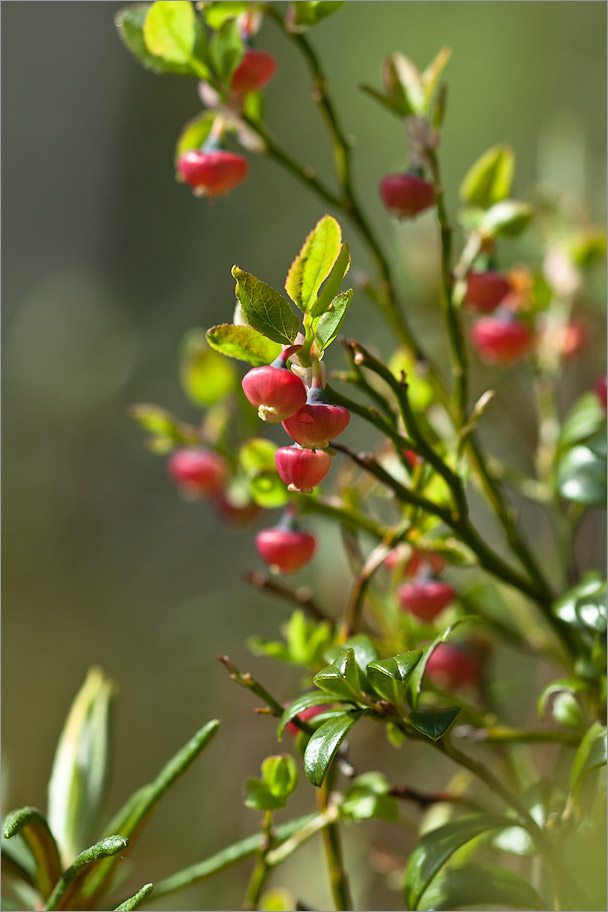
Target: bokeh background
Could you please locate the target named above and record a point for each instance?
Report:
(107, 263)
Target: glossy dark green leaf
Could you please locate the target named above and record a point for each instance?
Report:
(323, 746)
(330, 322)
(489, 179)
(67, 887)
(566, 710)
(227, 857)
(244, 343)
(309, 12)
(434, 723)
(438, 845)
(34, 829)
(226, 49)
(581, 476)
(130, 26)
(591, 755)
(170, 31)
(584, 606)
(205, 375)
(570, 685)
(265, 309)
(314, 263)
(507, 218)
(79, 778)
(305, 702)
(369, 797)
(389, 677)
(364, 650)
(585, 418)
(341, 677)
(135, 901)
(479, 885)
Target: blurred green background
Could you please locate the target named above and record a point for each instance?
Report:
(107, 262)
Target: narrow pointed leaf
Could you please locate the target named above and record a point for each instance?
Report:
(135, 901)
(438, 845)
(79, 779)
(330, 322)
(34, 829)
(66, 889)
(392, 105)
(137, 809)
(333, 282)
(304, 702)
(12, 869)
(244, 343)
(507, 218)
(227, 857)
(410, 79)
(489, 179)
(314, 263)
(388, 677)
(323, 746)
(341, 677)
(434, 723)
(591, 755)
(416, 678)
(265, 309)
(432, 75)
(480, 885)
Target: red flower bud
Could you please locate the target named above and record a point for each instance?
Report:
(214, 172)
(317, 422)
(274, 390)
(304, 716)
(600, 389)
(421, 560)
(485, 290)
(425, 599)
(198, 472)
(255, 70)
(302, 469)
(406, 195)
(500, 339)
(287, 550)
(451, 666)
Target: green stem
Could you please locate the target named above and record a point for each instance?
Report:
(332, 843)
(261, 870)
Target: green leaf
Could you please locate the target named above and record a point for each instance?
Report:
(330, 322)
(228, 856)
(432, 75)
(581, 476)
(389, 677)
(195, 133)
(480, 885)
(135, 901)
(280, 774)
(365, 652)
(226, 49)
(588, 246)
(401, 110)
(140, 805)
(314, 263)
(130, 25)
(323, 746)
(244, 343)
(268, 490)
(489, 180)
(206, 377)
(507, 218)
(585, 418)
(332, 283)
(591, 755)
(305, 702)
(584, 606)
(341, 677)
(216, 13)
(309, 12)
(258, 796)
(258, 455)
(369, 797)
(437, 846)
(79, 778)
(67, 887)
(566, 710)
(434, 723)
(416, 678)
(14, 869)
(40, 841)
(170, 31)
(563, 685)
(265, 309)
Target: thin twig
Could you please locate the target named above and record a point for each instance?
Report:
(301, 597)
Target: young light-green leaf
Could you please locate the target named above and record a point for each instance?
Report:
(226, 49)
(135, 901)
(265, 309)
(244, 343)
(508, 218)
(323, 746)
(432, 75)
(330, 322)
(40, 841)
(409, 77)
(170, 31)
(194, 133)
(436, 846)
(130, 26)
(489, 179)
(205, 376)
(389, 677)
(280, 774)
(434, 723)
(309, 12)
(314, 262)
(333, 282)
